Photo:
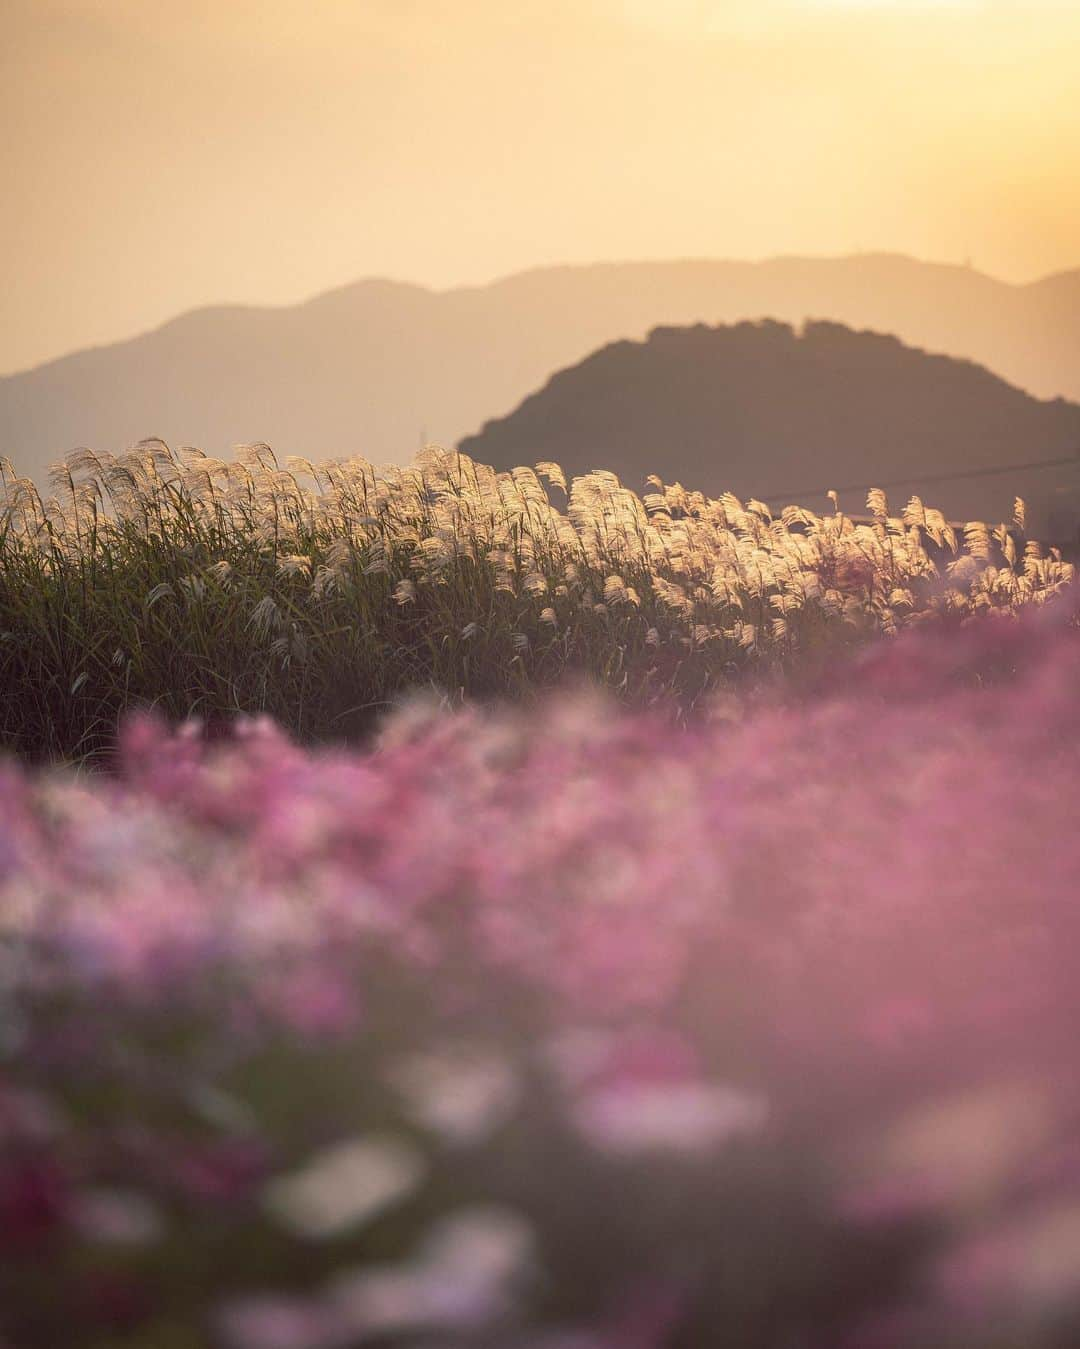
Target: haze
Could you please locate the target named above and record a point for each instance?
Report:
(160, 156)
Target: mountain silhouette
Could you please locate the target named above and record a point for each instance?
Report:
(375, 367)
(765, 410)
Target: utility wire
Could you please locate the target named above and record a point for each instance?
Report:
(919, 479)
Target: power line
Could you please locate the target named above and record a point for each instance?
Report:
(1073, 459)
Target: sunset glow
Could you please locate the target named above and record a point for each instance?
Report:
(264, 153)
(927, 6)
(539, 674)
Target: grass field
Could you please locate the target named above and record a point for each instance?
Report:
(319, 594)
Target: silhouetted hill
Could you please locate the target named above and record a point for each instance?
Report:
(372, 367)
(763, 410)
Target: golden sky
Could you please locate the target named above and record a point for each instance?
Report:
(162, 154)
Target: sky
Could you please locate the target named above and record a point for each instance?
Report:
(159, 155)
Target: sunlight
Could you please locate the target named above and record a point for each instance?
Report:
(893, 4)
(897, 6)
(894, 7)
(710, 16)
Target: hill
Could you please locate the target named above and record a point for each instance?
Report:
(374, 367)
(768, 411)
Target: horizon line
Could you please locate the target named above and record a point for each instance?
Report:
(503, 278)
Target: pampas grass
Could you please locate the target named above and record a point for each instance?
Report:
(319, 593)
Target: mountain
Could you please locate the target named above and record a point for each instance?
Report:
(373, 367)
(766, 410)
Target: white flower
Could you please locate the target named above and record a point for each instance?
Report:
(462, 1095)
(680, 1117)
(463, 1277)
(270, 1321)
(348, 1184)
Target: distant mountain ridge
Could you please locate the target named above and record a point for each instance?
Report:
(374, 367)
(765, 410)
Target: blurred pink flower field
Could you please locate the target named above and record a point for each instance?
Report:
(559, 1029)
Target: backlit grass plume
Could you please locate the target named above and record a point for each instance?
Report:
(318, 593)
